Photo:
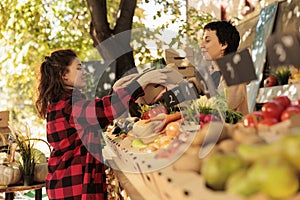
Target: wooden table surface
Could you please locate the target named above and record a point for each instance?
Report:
(16, 188)
(9, 190)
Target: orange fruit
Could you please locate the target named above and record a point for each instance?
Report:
(172, 129)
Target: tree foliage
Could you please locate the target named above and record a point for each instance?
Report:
(31, 29)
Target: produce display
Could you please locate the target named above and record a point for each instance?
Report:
(272, 112)
(159, 125)
(253, 158)
(249, 159)
(162, 134)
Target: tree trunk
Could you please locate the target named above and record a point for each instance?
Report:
(113, 45)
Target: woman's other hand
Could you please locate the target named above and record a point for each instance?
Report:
(124, 81)
(158, 76)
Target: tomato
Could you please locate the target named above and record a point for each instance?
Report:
(252, 119)
(283, 100)
(289, 112)
(154, 112)
(272, 109)
(270, 81)
(268, 121)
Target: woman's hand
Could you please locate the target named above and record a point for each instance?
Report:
(158, 76)
(124, 81)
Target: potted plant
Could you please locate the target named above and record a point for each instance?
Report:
(32, 162)
(26, 150)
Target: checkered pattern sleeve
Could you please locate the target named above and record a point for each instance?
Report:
(104, 110)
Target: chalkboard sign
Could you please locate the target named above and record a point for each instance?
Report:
(283, 49)
(237, 68)
(183, 92)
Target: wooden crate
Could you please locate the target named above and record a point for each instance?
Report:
(181, 61)
(185, 185)
(4, 117)
(267, 93)
(4, 130)
(184, 68)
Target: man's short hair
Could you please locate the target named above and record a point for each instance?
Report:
(226, 33)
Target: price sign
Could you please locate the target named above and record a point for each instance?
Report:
(283, 49)
(237, 68)
(173, 97)
(183, 92)
(188, 91)
(206, 83)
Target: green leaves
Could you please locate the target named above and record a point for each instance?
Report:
(29, 31)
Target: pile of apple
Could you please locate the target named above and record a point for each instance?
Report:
(278, 109)
(258, 171)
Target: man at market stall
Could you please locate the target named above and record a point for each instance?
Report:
(73, 124)
(222, 38)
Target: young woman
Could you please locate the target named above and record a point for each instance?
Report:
(222, 38)
(73, 124)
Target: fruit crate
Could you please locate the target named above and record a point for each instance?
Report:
(267, 93)
(170, 184)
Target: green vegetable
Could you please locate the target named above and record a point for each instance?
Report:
(216, 106)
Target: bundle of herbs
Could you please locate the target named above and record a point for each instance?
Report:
(217, 106)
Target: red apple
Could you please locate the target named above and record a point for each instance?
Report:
(283, 100)
(252, 119)
(272, 109)
(289, 112)
(270, 81)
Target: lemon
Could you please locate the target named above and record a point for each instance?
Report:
(297, 75)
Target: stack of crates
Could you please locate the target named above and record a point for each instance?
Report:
(4, 130)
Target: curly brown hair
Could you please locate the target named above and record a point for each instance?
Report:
(51, 83)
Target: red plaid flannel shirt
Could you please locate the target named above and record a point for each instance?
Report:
(74, 131)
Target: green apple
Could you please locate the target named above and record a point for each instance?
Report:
(291, 150)
(238, 183)
(217, 168)
(138, 143)
(275, 177)
(255, 152)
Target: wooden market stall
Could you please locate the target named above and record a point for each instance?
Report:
(181, 178)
